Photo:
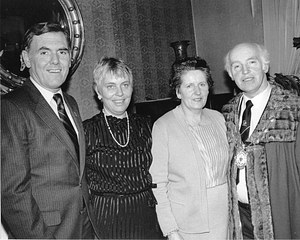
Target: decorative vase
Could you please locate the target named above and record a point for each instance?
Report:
(180, 49)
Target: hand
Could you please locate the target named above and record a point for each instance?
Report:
(175, 236)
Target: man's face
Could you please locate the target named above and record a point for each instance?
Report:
(48, 60)
(247, 70)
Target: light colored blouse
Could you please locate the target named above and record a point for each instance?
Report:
(214, 151)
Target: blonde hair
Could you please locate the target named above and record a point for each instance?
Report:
(113, 66)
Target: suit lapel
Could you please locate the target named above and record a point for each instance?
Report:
(45, 112)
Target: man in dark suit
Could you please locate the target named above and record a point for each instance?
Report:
(44, 192)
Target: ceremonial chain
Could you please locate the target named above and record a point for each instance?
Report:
(242, 154)
(244, 130)
(128, 130)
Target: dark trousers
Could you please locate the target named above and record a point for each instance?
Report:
(245, 216)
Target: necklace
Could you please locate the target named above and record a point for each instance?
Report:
(112, 135)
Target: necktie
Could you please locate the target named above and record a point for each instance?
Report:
(245, 127)
(66, 121)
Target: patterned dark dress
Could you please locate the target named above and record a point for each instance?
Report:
(119, 177)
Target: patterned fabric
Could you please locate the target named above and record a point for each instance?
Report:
(66, 121)
(273, 158)
(278, 123)
(119, 179)
(140, 33)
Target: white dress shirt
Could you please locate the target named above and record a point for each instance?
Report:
(48, 95)
(259, 103)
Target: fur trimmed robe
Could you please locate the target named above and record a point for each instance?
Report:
(273, 167)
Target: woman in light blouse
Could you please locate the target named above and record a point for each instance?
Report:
(190, 158)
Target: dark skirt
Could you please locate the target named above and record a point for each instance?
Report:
(129, 216)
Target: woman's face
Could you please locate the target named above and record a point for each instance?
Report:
(193, 90)
(115, 92)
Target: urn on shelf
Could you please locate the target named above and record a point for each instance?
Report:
(180, 49)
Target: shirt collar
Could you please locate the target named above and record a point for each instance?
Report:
(260, 99)
(48, 95)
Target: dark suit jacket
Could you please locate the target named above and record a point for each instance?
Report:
(43, 185)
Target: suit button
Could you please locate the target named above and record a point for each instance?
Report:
(80, 184)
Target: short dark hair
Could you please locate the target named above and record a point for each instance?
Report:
(186, 64)
(41, 28)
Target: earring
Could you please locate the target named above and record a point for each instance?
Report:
(99, 96)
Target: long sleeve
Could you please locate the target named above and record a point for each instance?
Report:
(159, 171)
(19, 208)
(178, 171)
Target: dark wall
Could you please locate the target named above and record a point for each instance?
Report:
(220, 25)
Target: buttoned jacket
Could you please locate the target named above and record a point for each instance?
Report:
(43, 185)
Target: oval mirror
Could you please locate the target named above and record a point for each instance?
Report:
(17, 16)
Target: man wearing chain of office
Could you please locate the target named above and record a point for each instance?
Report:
(263, 131)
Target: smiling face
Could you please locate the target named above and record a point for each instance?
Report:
(115, 92)
(193, 90)
(248, 70)
(48, 60)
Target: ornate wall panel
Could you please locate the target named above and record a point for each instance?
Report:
(139, 32)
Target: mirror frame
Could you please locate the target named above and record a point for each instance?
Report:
(76, 28)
